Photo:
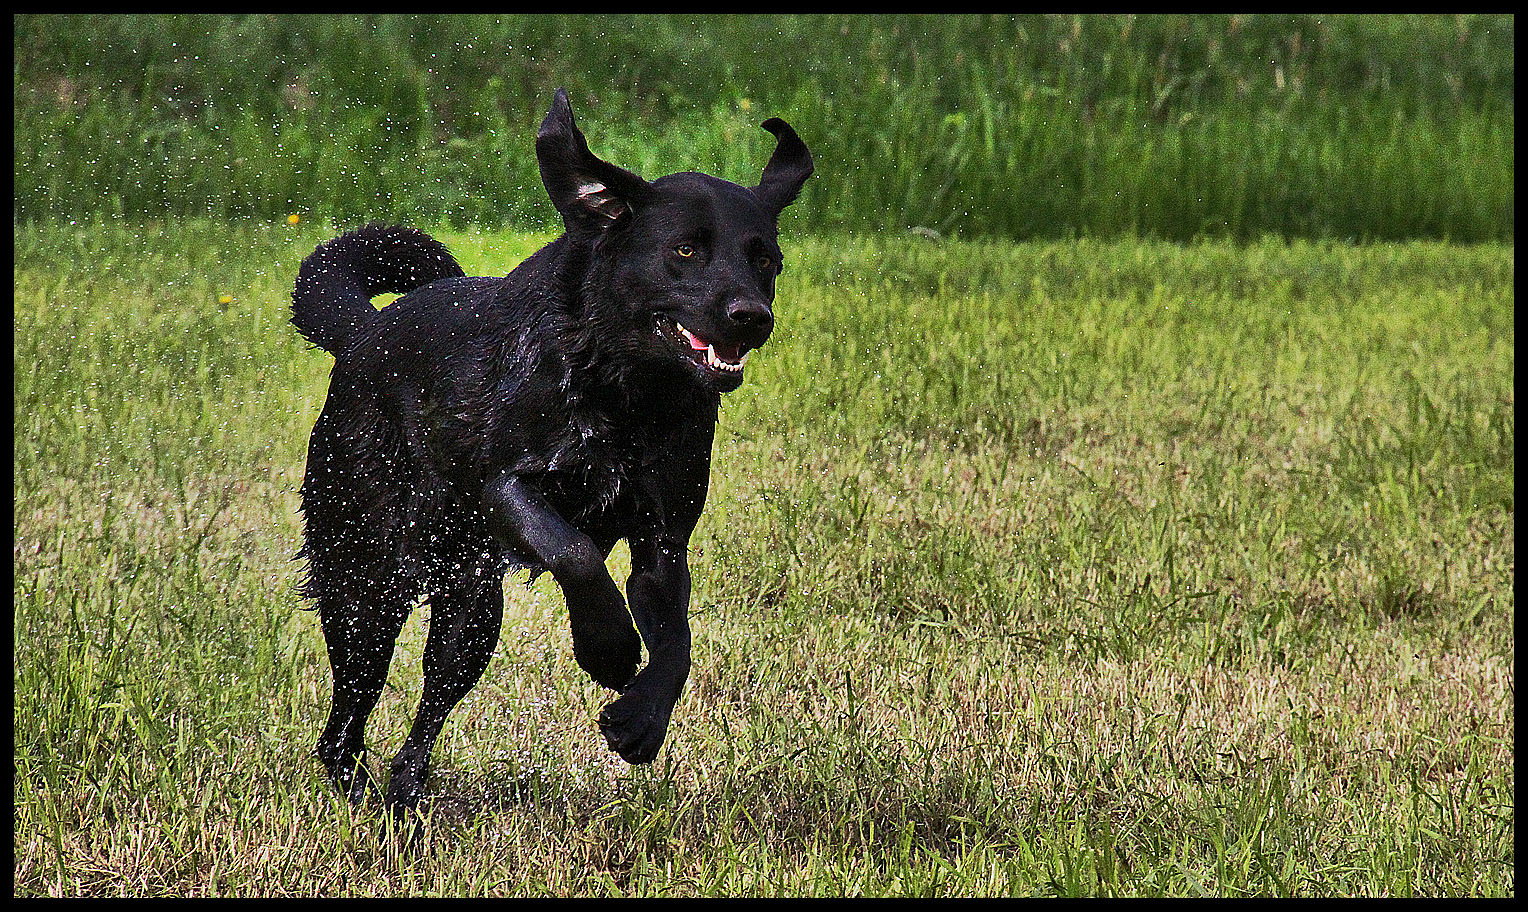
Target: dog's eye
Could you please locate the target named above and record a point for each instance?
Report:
(765, 264)
(685, 250)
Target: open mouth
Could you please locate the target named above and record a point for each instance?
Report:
(722, 356)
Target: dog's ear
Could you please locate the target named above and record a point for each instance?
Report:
(787, 170)
(584, 189)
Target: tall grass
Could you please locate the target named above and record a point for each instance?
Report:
(1172, 127)
(1083, 568)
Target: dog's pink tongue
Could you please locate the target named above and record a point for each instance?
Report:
(697, 343)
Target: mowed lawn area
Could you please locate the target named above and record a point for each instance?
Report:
(1073, 567)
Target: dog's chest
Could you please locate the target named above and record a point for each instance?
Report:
(594, 462)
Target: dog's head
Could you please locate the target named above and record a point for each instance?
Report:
(680, 270)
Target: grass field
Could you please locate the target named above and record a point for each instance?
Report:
(1388, 127)
(1080, 568)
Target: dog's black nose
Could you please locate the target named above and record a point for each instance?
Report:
(750, 315)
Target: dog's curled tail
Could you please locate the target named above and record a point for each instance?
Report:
(337, 281)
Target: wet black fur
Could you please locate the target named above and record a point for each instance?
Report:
(477, 425)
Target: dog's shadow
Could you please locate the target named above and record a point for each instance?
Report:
(612, 817)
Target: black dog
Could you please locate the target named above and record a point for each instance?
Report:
(481, 424)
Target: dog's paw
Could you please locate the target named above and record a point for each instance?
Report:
(354, 780)
(634, 727)
(405, 785)
(403, 829)
(609, 654)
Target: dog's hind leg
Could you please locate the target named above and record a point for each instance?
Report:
(464, 629)
(360, 634)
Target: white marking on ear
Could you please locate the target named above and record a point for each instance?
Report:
(598, 198)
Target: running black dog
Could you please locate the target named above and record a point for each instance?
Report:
(477, 425)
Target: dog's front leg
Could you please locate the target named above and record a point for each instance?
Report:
(659, 589)
(604, 641)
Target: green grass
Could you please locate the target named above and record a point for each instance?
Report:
(1080, 568)
(1017, 127)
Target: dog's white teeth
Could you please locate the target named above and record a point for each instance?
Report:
(715, 360)
(711, 357)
